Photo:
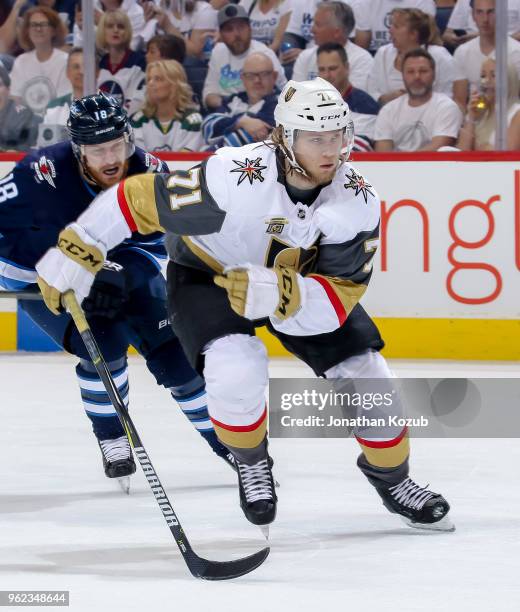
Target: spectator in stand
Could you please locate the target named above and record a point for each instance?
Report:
(373, 29)
(299, 34)
(121, 70)
(168, 120)
(409, 29)
(130, 7)
(478, 131)
(9, 27)
(65, 8)
(269, 20)
(333, 66)
(247, 116)
(18, 124)
(421, 120)
(470, 55)
(39, 75)
(228, 56)
(334, 22)
(53, 128)
(165, 46)
(195, 21)
(462, 27)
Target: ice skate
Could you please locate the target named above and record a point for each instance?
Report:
(257, 495)
(418, 506)
(118, 461)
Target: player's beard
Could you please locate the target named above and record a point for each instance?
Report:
(103, 181)
(316, 179)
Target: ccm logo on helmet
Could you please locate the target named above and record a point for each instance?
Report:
(327, 117)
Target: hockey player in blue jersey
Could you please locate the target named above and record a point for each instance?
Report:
(127, 305)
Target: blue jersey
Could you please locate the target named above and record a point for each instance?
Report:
(45, 192)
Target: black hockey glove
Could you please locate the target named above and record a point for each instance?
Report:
(108, 292)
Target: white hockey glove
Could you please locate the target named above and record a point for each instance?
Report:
(72, 264)
(256, 292)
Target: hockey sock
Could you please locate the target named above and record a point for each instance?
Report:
(99, 409)
(192, 399)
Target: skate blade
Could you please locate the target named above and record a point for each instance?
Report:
(124, 483)
(265, 531)
(444, 524)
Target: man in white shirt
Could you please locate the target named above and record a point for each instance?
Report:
(461, 19)
(373, 20)
(421, 120)
(469, 56)
(227, 59)
(334, 22)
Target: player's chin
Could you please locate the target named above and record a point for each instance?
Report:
(112, 175)
(327, 172)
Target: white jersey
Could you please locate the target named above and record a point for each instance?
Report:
(359, 59)
(175, 135)
(37, 83)
(374, 15)
(413, 127)
(125, 81)
(224, 69)
(234, 209)
(384, 76)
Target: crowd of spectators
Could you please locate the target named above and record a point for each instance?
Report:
(200, 74)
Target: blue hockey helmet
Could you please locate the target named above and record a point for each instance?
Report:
(97, 119)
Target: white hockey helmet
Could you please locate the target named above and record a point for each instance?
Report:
(314, 106)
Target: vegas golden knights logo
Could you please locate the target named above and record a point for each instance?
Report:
(290, 93)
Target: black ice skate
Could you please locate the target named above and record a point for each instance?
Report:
(118, 461)
(257, 495)
(417, 506)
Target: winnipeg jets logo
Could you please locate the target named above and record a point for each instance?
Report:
(44, 170)
(249, 169)
(359, 185)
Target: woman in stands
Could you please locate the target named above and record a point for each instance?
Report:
(478, 131)
(168, 120)
(121, 70)
(39, 75)
(409, 29)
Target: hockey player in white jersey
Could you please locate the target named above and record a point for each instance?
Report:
(280, 233)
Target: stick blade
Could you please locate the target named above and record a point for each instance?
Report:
(227, 570)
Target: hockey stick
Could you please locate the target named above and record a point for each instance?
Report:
(198, 566)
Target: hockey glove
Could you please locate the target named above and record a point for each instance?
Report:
(72, 264)
(256, 292)
(108, 293)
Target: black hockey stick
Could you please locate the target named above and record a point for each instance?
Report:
(199, 567)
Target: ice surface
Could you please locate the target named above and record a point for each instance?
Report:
(63, 525)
